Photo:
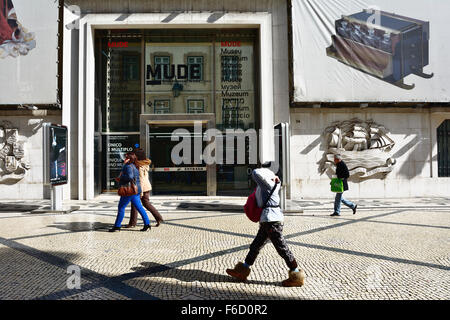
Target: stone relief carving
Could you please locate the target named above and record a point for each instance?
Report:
(364, 145)
(13, 166)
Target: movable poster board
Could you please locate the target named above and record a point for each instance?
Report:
(370, 51)
(56, 154)
(29, 51)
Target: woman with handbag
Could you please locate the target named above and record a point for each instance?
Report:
(130, 191)
(144, 166)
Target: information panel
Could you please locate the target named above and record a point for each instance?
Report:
(57, 149)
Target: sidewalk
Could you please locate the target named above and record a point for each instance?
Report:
(384, 252)
(224, 204)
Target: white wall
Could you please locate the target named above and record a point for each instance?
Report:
(414, 134)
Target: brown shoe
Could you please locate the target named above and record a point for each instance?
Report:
(130, 226)
(240, 271)
(158, 222)
(296, 279)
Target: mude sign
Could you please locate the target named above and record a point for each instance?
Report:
(191, 72)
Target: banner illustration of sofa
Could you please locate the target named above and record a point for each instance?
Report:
(391, 49)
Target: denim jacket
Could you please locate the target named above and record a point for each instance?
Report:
(263, 178)
(128, 173)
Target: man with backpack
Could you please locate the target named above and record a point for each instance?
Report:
(270, 227)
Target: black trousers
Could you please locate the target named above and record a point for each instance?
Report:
(274, 232)
(145, 199)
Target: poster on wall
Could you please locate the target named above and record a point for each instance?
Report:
(28, 51)
(116, 147)
(375, 50)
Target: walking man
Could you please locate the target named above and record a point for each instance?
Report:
(342, 173)
(270, 227)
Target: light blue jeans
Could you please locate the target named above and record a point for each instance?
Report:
(136, 201)
(337, 203)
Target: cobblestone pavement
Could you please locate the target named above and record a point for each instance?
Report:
(379, 253)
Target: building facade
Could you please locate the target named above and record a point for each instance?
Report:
(132, 73)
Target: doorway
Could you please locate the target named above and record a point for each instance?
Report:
(175, 144)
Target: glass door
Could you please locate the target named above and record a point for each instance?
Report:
(177, 163)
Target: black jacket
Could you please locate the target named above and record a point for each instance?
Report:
(342, 173)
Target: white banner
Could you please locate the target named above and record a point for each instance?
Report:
(28, 51)
(371, 50)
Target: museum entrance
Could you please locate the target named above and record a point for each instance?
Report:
(177, 77)
(175, 144)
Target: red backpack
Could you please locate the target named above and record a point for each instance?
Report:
(251, 209)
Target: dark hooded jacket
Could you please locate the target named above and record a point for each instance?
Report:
(343, 173)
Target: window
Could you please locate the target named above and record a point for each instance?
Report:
(164, 62)
(162, 106)
(195, 106)
(195, 68)
(443, 141)
(130, 68)
(230, 69)
(130, 114)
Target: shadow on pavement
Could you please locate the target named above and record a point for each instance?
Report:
(82, 226)
(12, 207)
(150, 269)
(198, 206)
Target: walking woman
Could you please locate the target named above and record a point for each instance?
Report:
(144, 166)
(130, 173)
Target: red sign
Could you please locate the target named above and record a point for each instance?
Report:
(230, 43)
(118, 44)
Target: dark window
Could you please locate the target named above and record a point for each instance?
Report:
(164, 61)
(130, 71)
(198, 63)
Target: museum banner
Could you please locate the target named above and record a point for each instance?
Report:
(370, 51)
(29, 51)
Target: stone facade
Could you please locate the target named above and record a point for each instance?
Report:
(22, 154)
(414, 152)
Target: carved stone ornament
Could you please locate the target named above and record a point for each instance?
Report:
(12, 164)
(364, 146)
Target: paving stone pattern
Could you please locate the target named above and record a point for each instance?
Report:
(379, 253)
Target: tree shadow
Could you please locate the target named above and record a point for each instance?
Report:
(153, 269)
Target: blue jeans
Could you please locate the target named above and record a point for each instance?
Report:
(136, 201)
(337, 203)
